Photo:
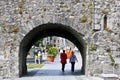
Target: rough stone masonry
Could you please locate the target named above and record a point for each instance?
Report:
(97, 20)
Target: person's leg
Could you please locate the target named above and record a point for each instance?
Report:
(35, 61)
(72, 66)
(39, 60)
(63, 67)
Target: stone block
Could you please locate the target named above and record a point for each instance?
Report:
(109, 76)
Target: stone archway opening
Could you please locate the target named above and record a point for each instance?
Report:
(45, 30)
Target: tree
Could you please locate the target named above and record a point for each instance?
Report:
(37, 43)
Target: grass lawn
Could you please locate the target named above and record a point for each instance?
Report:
(31, 66)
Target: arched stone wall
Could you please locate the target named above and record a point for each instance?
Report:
(18, 17)
(50, 29)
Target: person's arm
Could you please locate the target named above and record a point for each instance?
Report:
(60, 55)
(65, 55)
(76, 59)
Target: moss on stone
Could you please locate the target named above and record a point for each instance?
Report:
(15, 38)
(20, 11)
(3, 28)
(20, 4)
(90, 22)
(91, 10)
(83, 19)
(104, 11)
(89, 3)
(92, 47)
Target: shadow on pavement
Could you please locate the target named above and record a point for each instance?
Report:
(48, 72)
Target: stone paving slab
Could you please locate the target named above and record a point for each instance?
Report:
(109, 76)
(60, 78)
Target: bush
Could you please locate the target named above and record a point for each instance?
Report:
(52, 51)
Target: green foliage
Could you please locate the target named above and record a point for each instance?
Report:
(39, 42)
(52, 51)
(92, 47)
(83, 19)
(111, 58)
(113, 61)
(48, 46)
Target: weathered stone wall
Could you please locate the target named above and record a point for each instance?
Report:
(18, 17)
(105, 42)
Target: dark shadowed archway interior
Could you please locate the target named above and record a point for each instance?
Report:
(46, 30)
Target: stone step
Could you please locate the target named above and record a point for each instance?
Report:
(109, 76)
(94, 78)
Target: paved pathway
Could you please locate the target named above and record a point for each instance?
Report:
(52, 71)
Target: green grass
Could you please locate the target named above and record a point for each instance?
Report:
(31, 66)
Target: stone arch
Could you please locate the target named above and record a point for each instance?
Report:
(50, 29)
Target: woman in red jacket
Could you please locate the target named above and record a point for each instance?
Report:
(63, 58)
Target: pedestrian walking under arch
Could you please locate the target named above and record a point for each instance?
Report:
(50, 29)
